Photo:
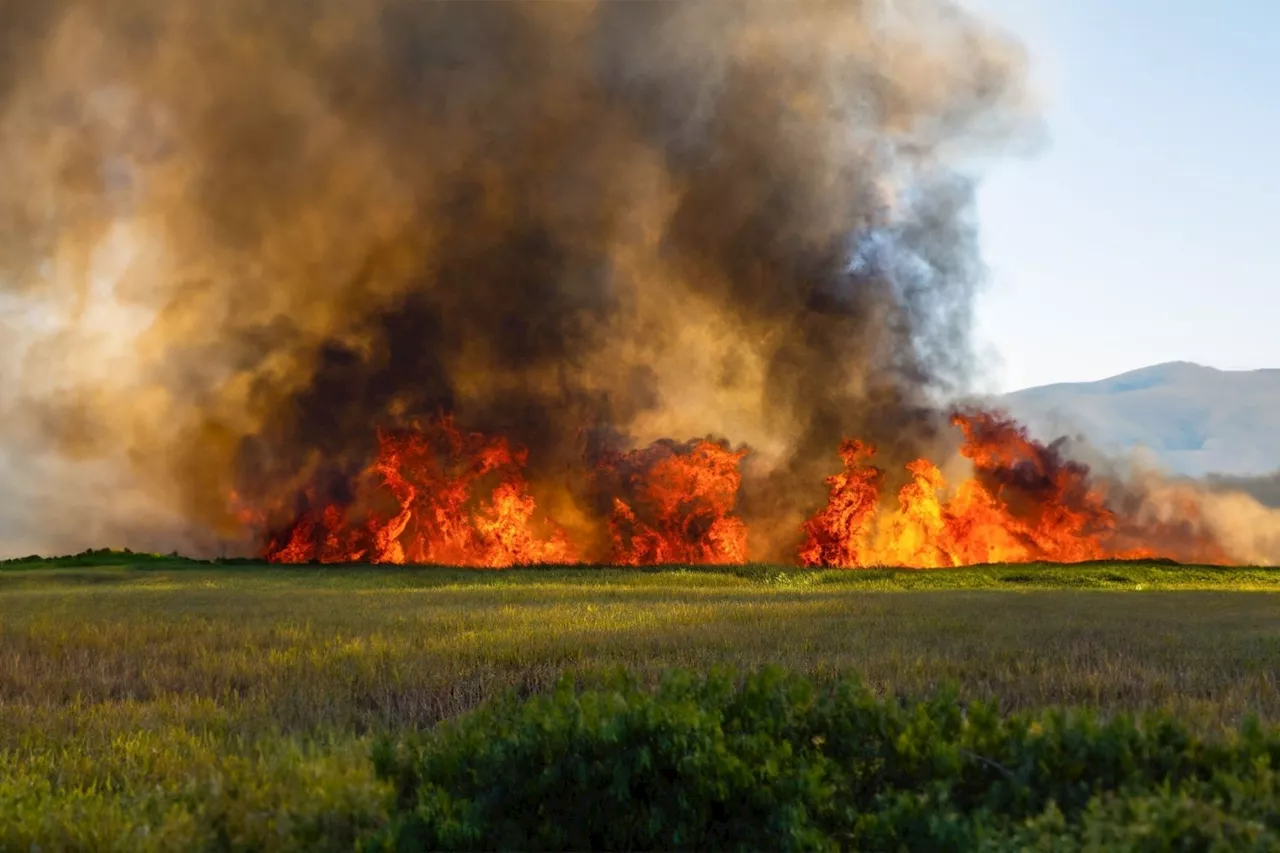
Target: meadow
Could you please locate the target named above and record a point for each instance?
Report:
(159, 703)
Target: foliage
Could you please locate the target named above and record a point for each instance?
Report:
(173, 706)
(777, 763)
(129, 781)
(97, 557)
(122, 566)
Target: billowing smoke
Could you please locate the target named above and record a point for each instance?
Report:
(237, 236)
(1238, 516)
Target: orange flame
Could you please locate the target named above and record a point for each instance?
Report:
(437, 495)
(436, 479)
(676, 504)
(1024, 503)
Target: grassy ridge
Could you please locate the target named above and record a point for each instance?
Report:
(236, 702)
(120, 567)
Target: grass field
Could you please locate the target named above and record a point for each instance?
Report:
(166, 704)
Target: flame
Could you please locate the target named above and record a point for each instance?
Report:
(1024, 503)
(840, 533)
(437, 495)
(675, 505)
(452, 498)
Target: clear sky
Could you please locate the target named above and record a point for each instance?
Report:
(1147, 228)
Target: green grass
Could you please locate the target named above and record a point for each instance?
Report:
(233, 705)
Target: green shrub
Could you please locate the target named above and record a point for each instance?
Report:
(773, 762)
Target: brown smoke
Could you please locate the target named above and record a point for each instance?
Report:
(236, 236)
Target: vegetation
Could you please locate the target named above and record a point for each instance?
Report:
(155, 703)
(777, 765)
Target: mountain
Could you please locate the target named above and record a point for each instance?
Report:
(1195, 420)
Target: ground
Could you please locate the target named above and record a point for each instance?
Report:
(230, 701)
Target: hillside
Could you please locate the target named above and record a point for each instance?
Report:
(1195, 420)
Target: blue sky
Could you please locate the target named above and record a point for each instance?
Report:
(1147, 228)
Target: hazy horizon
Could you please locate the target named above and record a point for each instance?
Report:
(1119, 373)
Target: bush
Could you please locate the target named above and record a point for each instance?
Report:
(773, 762)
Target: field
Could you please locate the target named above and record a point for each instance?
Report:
(165, 704)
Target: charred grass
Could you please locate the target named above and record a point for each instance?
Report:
(154, 703)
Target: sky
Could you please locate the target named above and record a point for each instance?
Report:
(1146, 226)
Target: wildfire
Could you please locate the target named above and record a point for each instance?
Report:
(446, 498)
(437, 495)
(673, 505)
(1024, 503)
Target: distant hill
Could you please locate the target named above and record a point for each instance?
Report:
(1195, 420)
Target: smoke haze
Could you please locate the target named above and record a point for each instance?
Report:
(236, 237)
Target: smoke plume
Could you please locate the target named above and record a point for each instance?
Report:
(236, 237)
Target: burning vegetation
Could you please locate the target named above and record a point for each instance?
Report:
(1024, 502)
(447, 498)
(432, 495)
(439, 282)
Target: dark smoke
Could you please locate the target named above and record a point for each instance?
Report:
(237, 236)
